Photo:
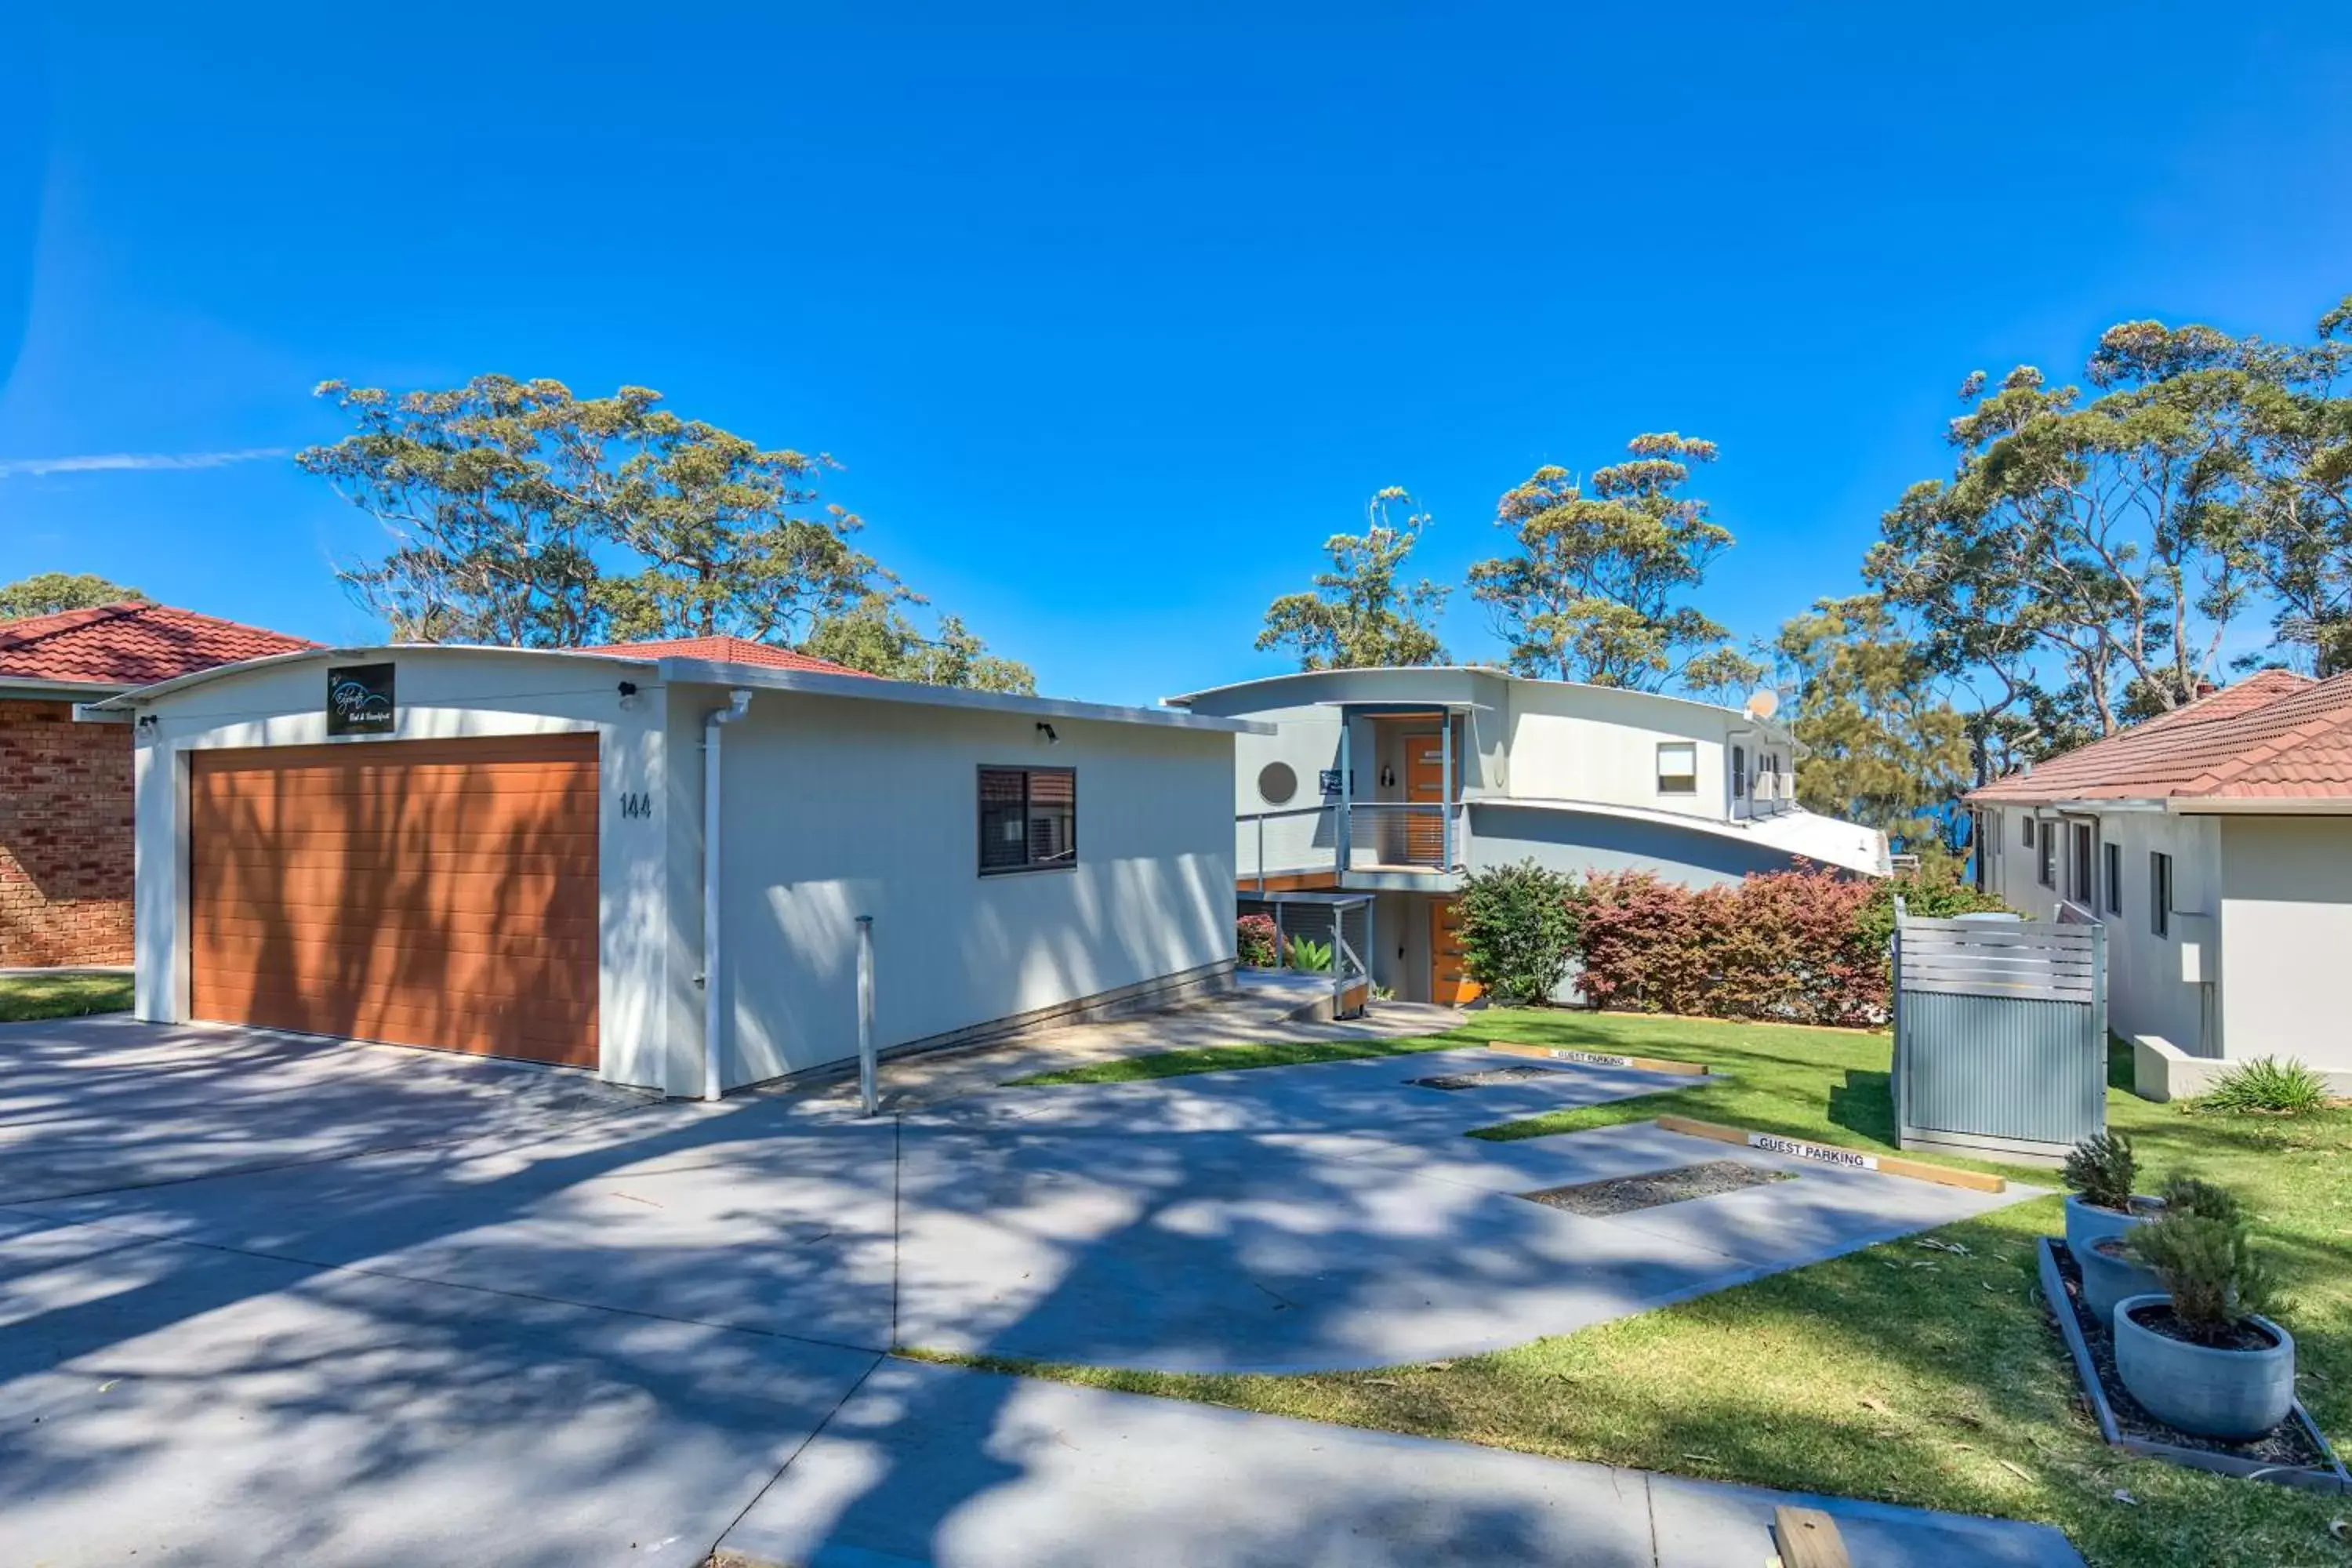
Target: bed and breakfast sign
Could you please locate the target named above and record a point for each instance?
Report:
(360, 699)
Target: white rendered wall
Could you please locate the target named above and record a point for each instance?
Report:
(2286, 923)
(837, 808)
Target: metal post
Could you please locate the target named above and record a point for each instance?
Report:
(1343, 815)
(867, 1073)
(1445, 792)
(1338, 967)
(1261, 853)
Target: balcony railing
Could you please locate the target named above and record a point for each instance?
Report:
(1361, 836)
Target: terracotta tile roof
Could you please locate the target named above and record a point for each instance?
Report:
(130, 644)
(2273, 736)
(727, 650)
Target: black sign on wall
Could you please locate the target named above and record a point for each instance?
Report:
(359, 700)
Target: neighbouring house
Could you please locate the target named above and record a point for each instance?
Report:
(66, 844)
(652, 862)
(2215, 844)
(1379, 790)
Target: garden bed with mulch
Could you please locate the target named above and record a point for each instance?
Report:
(1624, 1194)
(2292, 1452)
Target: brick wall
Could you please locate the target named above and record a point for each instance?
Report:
(65, 838)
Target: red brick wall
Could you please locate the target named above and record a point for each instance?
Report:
(65, 838)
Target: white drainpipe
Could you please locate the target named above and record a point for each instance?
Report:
(713, 1038)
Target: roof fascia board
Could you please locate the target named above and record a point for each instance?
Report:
(2261, 805)
(695, 671)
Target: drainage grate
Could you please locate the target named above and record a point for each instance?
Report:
(1451, 1081)
(1650, 1189)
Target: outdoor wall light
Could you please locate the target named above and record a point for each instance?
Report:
(629, 695)
(1047, 732)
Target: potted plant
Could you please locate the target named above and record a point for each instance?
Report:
(2111, 1269)
(2099, 1174)
(2205, 1360)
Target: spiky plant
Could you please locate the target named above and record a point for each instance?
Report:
(2215, 1277)
(2101, 1171)
(2207, 1200)
(2269, 1085)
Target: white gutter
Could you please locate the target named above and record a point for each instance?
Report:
(713, 1038)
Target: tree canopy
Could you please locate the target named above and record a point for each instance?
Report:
(876, 636)
(1360, 615)
(521, 515)
(1883, 745)
(2092, 554)
(1593, 590)
(47, 592)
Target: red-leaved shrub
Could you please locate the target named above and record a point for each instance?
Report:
(1788, 945)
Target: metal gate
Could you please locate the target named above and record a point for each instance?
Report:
(2000, 1036)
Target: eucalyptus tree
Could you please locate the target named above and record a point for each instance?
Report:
(47, 592)
(2084, 550)
(1593, 589)
(1361, 614)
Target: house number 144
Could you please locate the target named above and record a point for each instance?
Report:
(636, 803)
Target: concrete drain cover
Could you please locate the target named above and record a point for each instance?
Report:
(1451, 1081)
(1651, 1188)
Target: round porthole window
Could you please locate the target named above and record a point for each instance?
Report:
(1276, 782)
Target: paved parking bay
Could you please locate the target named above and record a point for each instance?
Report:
(264, 1301)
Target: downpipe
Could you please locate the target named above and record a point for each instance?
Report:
(713, 1038)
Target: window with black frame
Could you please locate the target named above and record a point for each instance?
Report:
(1028, 819)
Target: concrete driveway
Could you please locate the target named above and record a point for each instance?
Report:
(262, 1301)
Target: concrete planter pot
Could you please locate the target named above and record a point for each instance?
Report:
(2085, 1223)
(2107, 1280)
(2227, 1393)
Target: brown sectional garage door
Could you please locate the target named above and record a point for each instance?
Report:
(425, 892)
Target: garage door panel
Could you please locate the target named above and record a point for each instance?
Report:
(550, 973)
(515, 893)
(499, 819)
(433, 893)
(251, 938)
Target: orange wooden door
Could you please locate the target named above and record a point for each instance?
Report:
(1449, 981)
(422, 892)
(1425, 784)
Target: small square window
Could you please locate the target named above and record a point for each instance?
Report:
(1677, 767)
(1028, 819)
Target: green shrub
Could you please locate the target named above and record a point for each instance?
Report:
(1518, 927)
(1922, 900)
(2268, 1084)
(2101, 1171)
(2211, 1269)
(2207, 1200)
(1315, 957)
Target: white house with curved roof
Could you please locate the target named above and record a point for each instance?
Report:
(1398, 783)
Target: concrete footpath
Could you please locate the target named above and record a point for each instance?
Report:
(935, 1465)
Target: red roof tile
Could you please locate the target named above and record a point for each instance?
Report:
(727, 650)
(130, 644)
(2274, 735)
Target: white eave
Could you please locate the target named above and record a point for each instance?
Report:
(695, 671)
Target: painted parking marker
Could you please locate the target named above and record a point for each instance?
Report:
(1598, 1058)
(1830, 1154)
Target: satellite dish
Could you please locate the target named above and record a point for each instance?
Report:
(1762, 703)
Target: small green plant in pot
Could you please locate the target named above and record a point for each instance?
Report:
(2205, 1359)
(2100, 1174)
(2110, 1268)
(1315, 957)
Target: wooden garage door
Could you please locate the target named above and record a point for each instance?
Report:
(425, 892)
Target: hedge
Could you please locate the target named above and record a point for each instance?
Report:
(1800, 947)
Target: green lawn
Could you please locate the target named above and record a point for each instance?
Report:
(1903, 1373)
(29, 996)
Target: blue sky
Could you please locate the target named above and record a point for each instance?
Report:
(1112, 314)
